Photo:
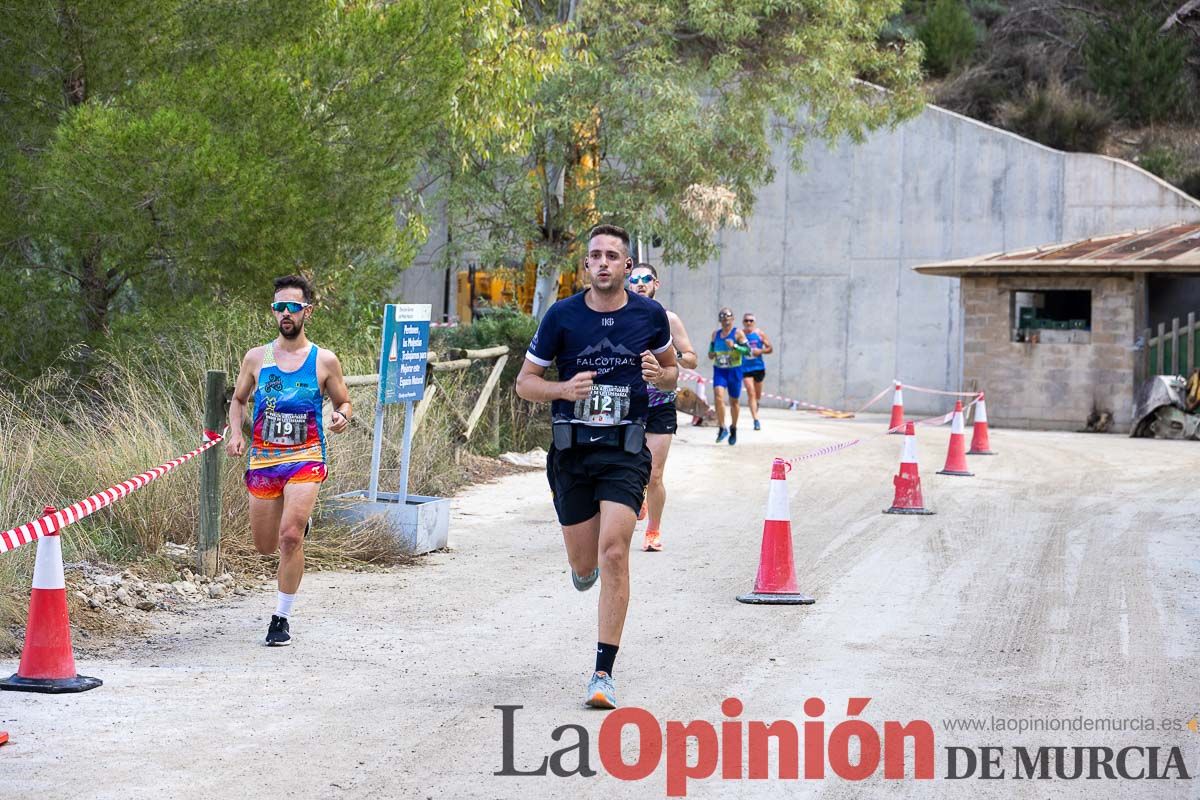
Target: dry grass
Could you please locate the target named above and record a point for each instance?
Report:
(67, 436)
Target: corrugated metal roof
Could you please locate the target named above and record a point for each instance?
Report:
(1173, 248)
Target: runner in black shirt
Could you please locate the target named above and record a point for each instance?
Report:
(607, 344)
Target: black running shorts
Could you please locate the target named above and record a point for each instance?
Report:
(581, 477)
(758, 375)
(662, 419)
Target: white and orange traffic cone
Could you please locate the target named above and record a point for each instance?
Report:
(896, 423)
(956, 455)
(979, 431)
(47, 662)
(775, 583)
(908, 498)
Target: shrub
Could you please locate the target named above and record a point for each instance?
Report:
(949, 35)
(1052, 116)
(1141, 71)
(1162, 161)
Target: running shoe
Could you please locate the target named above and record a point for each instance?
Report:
(601, 692)
(732, 435)
(653, 542)
(757, 425)
(721, 434)
(277, 633)
(584, 583)
(642, 513)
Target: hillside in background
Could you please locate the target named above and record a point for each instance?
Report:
(1116, 77)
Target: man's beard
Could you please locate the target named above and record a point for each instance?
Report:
(296, 329)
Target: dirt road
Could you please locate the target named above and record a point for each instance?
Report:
(1061, 582)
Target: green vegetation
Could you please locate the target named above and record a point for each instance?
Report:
(1141, 71)
(949, 35)
(663, 118)
(1118, 77)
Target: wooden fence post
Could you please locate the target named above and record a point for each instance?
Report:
(1191, 342)
(208, 539)
(1175, 346)
(1162, 338)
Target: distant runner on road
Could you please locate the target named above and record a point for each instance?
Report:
(726, 348)
(663, 419)
(289, 379)
(754, 371)
(607, 344)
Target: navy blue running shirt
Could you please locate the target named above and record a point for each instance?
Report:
(609, 343)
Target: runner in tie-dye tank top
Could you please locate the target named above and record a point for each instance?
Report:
(287, 381)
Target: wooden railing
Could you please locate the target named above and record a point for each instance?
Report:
(1173, 350)
(461, 360)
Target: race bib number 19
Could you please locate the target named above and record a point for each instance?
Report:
(606, 405)
(285, 429)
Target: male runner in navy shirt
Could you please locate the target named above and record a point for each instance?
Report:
(607, 344)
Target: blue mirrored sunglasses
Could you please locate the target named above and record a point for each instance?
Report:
(644, 279)
(290, 306)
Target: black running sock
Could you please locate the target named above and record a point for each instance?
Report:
(606, 654)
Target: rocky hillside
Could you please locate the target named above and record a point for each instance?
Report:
(1120, 77)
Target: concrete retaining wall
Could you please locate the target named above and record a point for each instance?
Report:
(825, 261)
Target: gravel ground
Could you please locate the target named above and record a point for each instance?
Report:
(1061, 582)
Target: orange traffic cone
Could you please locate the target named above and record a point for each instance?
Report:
(897, 421)
(956, 456)
(908, 482)
(775, 583)
(47, 663)
(979, 431)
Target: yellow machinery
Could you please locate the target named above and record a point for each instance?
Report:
(514, 286)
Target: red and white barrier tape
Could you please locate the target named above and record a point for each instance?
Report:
(688, 375)
(53, 522)
(830, 449)
(937, 391)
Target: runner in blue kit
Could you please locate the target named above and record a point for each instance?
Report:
(607, 344)
(754, 371)
(663, 419)
(726, 348)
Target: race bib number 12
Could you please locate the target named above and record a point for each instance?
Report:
(606, 405)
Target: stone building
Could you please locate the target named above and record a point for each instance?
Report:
(1053, 334)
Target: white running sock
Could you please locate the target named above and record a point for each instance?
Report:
(283, 607)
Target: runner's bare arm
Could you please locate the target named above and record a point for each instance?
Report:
(683, 345)
(334, 387)
(533, 386)
(662, 370)
(243, 387)
(766, 348)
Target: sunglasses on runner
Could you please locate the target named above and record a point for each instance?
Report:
(644, 279)
(748, 319)
(290, 306)
(724, 316)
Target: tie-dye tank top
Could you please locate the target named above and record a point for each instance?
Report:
(287, 414)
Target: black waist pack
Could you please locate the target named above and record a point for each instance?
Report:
(629, 437)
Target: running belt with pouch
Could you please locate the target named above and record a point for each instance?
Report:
(628, 436)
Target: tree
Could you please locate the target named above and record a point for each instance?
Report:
(662, 119)
(152, 150)
(1137, 67)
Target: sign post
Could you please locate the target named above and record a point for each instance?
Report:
(403, 358)
(420, 524)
